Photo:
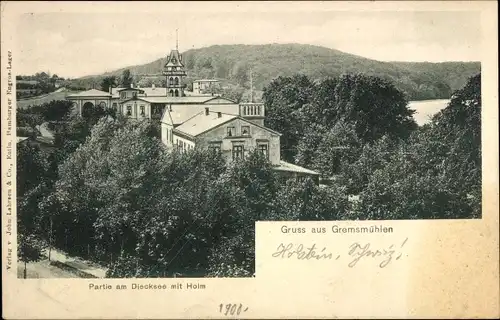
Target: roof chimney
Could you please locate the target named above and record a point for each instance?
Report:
(207, 111)
(153, 86)
(219, 114)
(132, 85)
(110, 89)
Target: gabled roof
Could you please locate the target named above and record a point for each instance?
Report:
(90, 93)
(201, 122)
(288, 167)
(185, 100)
(135, 99)
(182, 112)
(155, 92)
(131, 89)
(207, 80)
(148, 91)
(174, 59)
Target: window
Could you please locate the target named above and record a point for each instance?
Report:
(134, 94)
(231, 131)
(143, 112)
(214, 147)
(123, 95)
(115, 106)
(245, 130)
(237, 152)
(129, 110)
(263, 149)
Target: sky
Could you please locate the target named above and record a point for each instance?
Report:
(74, 44)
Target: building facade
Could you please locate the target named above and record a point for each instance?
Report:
(233, 135)
(204, 86)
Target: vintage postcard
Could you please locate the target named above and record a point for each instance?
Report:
(170, 160)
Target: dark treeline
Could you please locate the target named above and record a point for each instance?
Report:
(122, 200)
(37, 84)
(111, 193)
(358, 132)
(232, 64)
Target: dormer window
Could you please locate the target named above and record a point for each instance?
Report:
(245, 130)
(174, 60)
(231, 132)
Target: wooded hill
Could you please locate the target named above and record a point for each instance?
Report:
(231, 64)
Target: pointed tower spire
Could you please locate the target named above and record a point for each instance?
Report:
(251, 86)
(177, 39)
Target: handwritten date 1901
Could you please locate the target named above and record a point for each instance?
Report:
(356, 253)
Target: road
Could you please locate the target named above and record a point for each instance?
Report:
(45, 132)
(42, 269)
(78, 263)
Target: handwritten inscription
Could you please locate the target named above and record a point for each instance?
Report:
(355, 253)
(232, 309)
(300, 252)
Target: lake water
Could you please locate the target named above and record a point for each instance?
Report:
(426, 109)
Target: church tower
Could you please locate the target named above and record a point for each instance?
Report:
(174, 72)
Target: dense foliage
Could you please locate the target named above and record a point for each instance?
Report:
(122, 200)
(306, 113)
(37, 84)
(112, 193)
(29, 119)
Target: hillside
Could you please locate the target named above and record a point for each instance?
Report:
(231, 64)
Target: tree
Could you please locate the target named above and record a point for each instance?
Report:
(127, 78)
(306, 201)
(283, 100)
(375, 107)
(434, 174)
(29, 247)
(233, 93)
(240, 73)
(337, 147)
(31, 167)
(55, 110)
(356, 175)
(109, 82)
(30, 120)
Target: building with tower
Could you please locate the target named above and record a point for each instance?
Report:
(174, 72)
(195, 121)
